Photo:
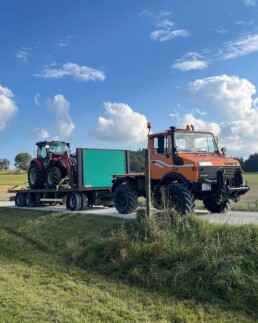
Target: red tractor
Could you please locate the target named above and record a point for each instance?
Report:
(52, 164)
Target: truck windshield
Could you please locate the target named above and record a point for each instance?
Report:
(195, 142)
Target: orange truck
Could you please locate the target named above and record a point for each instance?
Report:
(185, 165)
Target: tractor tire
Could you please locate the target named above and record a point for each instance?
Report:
(180, 199)
(74, 201)
(53, 177)
(125, 198)
(35, 176)
(223, 207)
(20, 199)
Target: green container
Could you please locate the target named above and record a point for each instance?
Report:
(100, 164)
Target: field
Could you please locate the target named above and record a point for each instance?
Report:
(42, 278)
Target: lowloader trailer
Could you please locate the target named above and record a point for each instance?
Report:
(89, 183)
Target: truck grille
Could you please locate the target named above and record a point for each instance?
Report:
(210, 173)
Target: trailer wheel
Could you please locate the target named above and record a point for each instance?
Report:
(29, 200)
(74, 201)
(223, 207)
(180, 199)
(85, 201)
(20, 199)
(53, 177)
(125, 198)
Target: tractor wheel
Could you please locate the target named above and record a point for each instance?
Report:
(53, 177)
(180, 199)
(223, 207)
(20, 199)
(35, 176)
(125, 198)
(74, 201)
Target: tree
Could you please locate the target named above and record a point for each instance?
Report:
(137, 161)
(22, 161)
(4, 164)
(251, 164)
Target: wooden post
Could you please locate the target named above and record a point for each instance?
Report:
(147, 183)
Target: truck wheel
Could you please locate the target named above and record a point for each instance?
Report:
(125, 198)
(20, 199)
(74, 201)
(35, 176)
(53, 177)
(180, 199)
(223, 207)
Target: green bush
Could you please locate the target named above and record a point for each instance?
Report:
(183, 256)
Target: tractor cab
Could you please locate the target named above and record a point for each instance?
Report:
(55, 147)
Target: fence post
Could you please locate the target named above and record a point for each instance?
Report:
(147, 183)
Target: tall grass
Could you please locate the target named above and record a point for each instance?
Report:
(183, 256)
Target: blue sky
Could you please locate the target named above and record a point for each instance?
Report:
(93, 72)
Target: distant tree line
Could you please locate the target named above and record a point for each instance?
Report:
(21, 162)
(250, 164)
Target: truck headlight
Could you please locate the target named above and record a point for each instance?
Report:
(206, 187)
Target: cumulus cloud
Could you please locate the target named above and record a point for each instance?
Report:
(37, 99)
(8, 108)
(39, 133)
(122, 124)
(61, 107)
(81, 73)
(231, 98)
(250, 2)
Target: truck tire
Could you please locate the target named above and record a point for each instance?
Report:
(35, 176)
(53, 177)
(180, 199)
(74, 201)
(223, 207)
(125, 198)
(20, 199)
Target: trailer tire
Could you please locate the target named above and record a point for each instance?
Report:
(20, 199)
(53, 177)
(85, 201)
(125, 198)
(35, 176)
(223, 207)
(180, 199)
(74, 201)
(30, 200)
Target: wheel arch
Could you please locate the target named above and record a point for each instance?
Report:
(173, 177)
(38, 162)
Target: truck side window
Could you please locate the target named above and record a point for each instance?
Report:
(161, 145)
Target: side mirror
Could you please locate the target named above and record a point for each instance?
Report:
(223, 150)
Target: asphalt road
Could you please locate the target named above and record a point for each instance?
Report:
(233, 217)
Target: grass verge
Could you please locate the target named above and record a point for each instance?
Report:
(185, 257)
(39, 281)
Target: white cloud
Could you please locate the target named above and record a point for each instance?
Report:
(231, 99)
(190, 61)
(243, 46)
(190, 65)
(39, 133)
(61, 106)
(23, 54)
(123, 124)
(250, 2)
(81, 73)
(145, 13)
(37, 99)
(163, 35)
(8, 108)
